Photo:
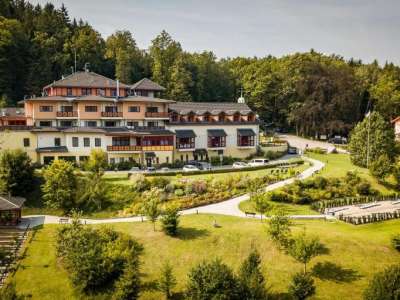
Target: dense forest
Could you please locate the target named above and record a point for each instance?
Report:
(310, 92)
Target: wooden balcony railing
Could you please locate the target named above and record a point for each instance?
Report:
(124, 148)
(157, 115)
(67, 114)
(111, 114)
(158, 148)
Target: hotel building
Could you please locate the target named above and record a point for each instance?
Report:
(85, 111)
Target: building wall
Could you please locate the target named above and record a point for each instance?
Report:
(15, 140)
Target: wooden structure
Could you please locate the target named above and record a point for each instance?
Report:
(10, 210)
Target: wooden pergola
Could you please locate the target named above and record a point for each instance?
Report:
(10, 210)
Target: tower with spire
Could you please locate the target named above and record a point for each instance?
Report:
(241, 98)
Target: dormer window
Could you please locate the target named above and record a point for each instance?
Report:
(190, 117)
(236, 117)
(101, 92)
(113, 92)
(221, 117)
(206, 117)
(85, 91)
(69, 91)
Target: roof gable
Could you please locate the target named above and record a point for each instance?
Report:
(86, 79)
(146, 84)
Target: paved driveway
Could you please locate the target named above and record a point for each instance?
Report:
(302, 143)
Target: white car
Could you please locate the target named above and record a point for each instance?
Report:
(239, 165)
(165, 169)
(258, 162)
(190, 168)
(135, 169)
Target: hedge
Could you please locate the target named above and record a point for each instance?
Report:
(218, 171)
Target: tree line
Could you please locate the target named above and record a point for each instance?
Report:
(311, 93)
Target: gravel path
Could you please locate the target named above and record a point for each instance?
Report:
(229, 207)
(303, 143)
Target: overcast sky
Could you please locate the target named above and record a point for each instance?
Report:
(365, 29)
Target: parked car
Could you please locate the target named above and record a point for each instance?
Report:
(165, 169)
(190, 168)
(258, 162)
(134, 169)
(150, 169)
(239, 165)
(292, 150)
(200, 164)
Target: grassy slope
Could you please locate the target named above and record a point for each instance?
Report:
(338, 165)
(357, 251)
(291, 209)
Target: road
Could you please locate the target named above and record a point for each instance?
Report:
(229, 207)
(303, 143)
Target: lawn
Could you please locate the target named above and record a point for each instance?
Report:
(355, 253)
(337, 165)
(290, 209)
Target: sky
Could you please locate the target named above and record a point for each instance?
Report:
(363, 29)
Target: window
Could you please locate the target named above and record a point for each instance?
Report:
(90, 108)
(120, 141)
(152, 109)
(132, 123)
(86, 91)
(45, 123)
(101, 92)
(91, 124)
(112, 160)
(27, 142)
(134, 109)
(110, 124)
(111, 109)
(75, 141)
(57, 142)
(69, 91)
(113, 93)
(66, 123)
(46, 108)
(86, 142)
(66, 108)
(152, 124)
(97, 142)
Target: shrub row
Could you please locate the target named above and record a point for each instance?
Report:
(293, 163)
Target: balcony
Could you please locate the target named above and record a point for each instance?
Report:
(111, 114)
(124, 148)
(67, 114)
(164, 115)
(158, 148)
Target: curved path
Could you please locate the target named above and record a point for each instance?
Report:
(229, 207)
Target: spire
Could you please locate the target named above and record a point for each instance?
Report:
(241, 98)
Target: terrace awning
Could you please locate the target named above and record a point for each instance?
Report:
(216, 132)
(185, 134)
(246, 132)
(52, 149)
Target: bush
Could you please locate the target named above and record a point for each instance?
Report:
(396, 242)
(170, 221)
(274, 154)
(139, 182)
(381, 167)
(384, 285)
(160, 182)
(179, 192)
(279, 196)
(212, 280)
(99, 258)
(302, 286)
(363, 188)
(226, 160)
(16, 172)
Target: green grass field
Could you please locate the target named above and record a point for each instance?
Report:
(355, 254)
(290, 209)
(337, 165)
